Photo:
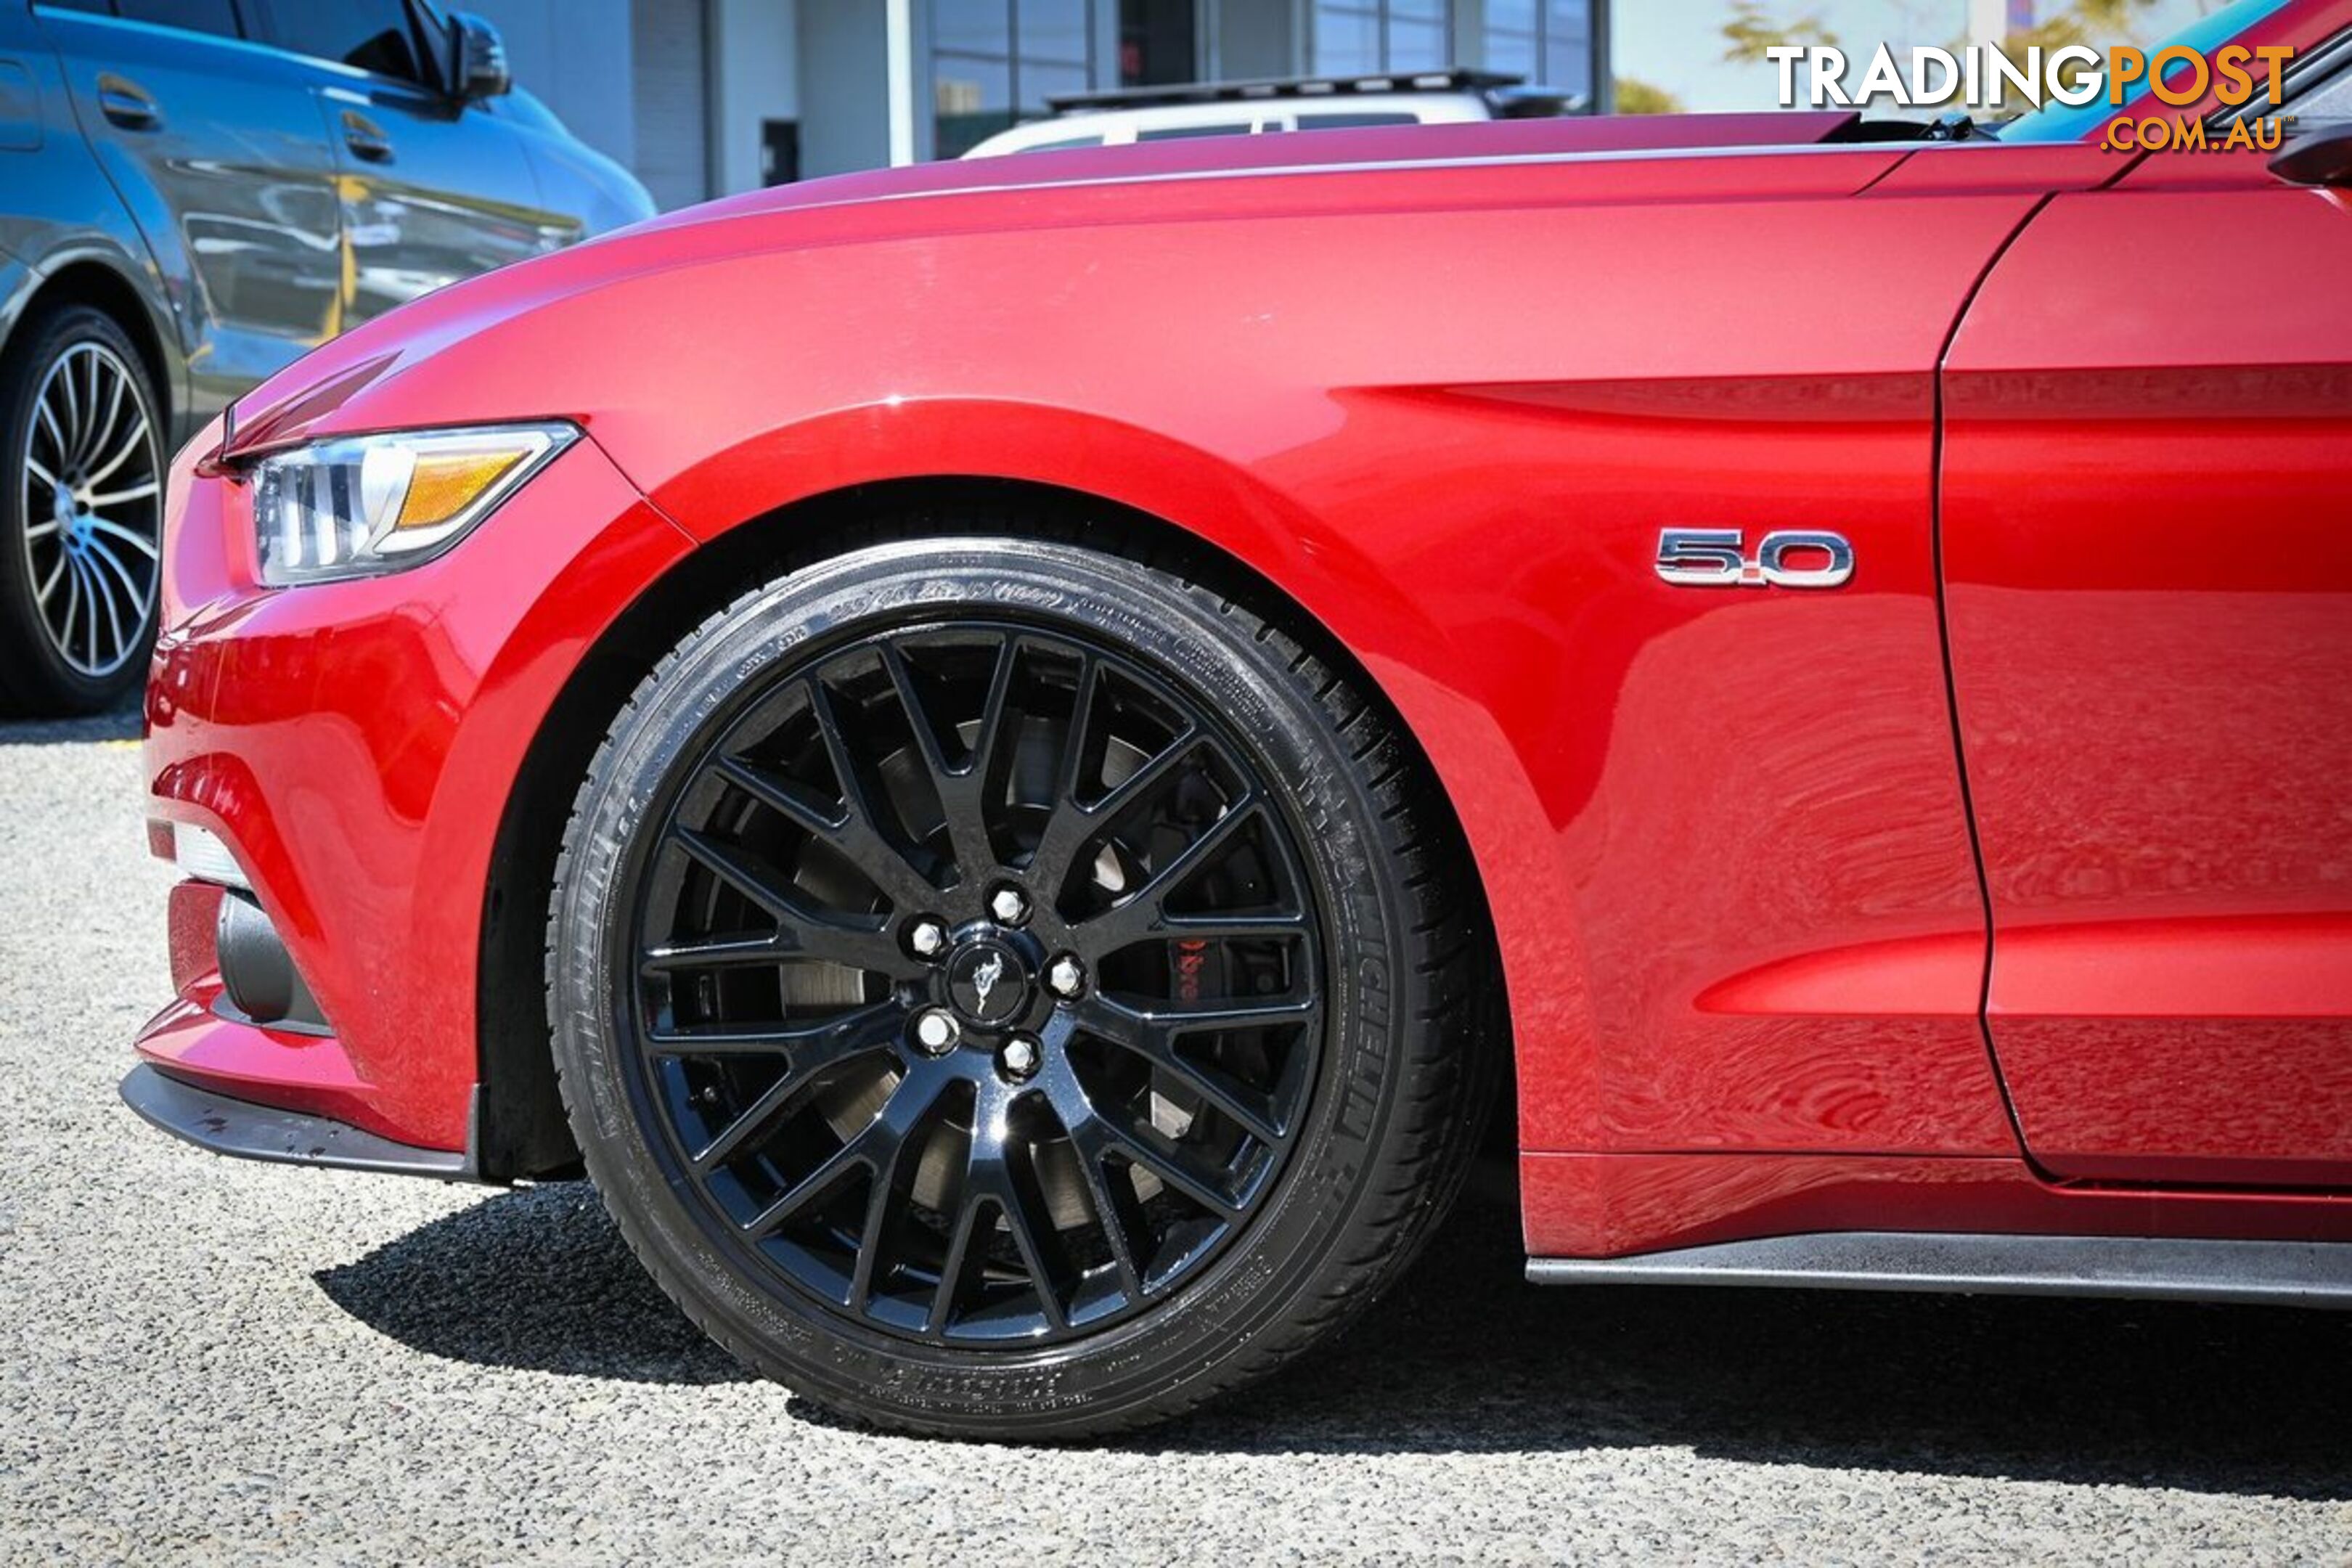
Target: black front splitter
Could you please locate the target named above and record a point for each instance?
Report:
(245, 1131)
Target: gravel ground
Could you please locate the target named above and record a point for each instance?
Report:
(208, 1359)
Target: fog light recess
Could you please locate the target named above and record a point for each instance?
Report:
(258, 971)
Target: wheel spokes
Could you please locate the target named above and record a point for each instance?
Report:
(803, 931)
(1074, 825)
(1143, 914)
(99, 591)
(58, 442)
(141, 491)
(956, 1266)
(132, 443)
(71, 410)
(854, 833)
(1154, 1036)
(873, 1148)
(868, 846)
(1118, 1214)
(73, 605)
(104, 428)
(809, 1048)
(116, 530)
(888, 1181)
(88, 424)
(98, 548)
(960, 784)
(928, 820)
(809, 1053)
(998, 1178)
(714, 952)
(90, 590)
(1098, 1131)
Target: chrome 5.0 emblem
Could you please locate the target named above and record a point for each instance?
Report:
(1785, 558)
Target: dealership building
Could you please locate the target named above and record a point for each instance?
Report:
(704, 98)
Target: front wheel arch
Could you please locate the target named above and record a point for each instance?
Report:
(107, 289)
(520, 1130)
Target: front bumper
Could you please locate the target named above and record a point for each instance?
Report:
(355, 745)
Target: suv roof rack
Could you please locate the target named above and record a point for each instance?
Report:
(1450, 81)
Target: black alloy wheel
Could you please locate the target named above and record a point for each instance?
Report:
(81, 519)
(954, 986)
(975, 1058)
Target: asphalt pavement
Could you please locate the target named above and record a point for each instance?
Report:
(203, 1359)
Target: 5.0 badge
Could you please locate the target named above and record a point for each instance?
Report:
(1786, 558)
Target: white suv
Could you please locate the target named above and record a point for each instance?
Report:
(1253, 108)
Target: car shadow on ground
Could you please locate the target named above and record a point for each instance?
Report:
(1466, 1358)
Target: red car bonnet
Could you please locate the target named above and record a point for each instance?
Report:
(304, 398)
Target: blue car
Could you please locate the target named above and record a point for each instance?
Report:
(194, 193)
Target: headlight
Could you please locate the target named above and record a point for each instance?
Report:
(360, 505)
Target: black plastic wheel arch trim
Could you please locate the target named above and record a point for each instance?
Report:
(2269, 1273)
(245, 1131)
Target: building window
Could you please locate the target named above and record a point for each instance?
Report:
(993, 62)
(1549, 42)
(1365, 38)
(1155, 42)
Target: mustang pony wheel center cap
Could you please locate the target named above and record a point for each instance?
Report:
(989, 981)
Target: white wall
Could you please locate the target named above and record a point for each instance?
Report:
(1254, 38)
(675, 90)
(845, 74)
(755, 68)
(670, 53)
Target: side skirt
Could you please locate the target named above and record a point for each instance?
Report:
(2271, 1273)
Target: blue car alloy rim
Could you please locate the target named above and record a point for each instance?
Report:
(92, 495)
(978, 992)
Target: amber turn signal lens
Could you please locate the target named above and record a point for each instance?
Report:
(442, 485)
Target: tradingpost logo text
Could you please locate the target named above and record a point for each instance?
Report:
(1985, 78)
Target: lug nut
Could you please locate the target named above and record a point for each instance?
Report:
(1009, 906)
(1020, 1056)
(1066, 978)
(928, 937)
(936, 1031)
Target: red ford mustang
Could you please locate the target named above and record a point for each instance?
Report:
(1008, 754)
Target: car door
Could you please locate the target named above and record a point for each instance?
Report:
(214, 144)
(2148, 552)
(432, 189)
